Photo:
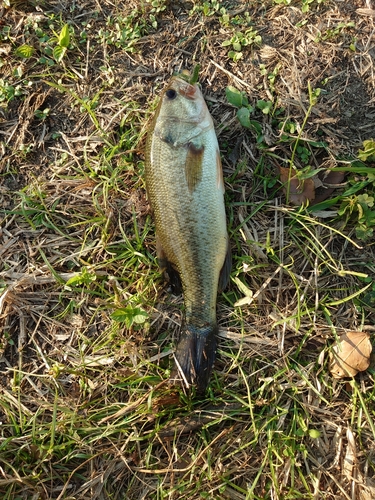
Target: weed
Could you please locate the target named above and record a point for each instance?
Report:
(240, 101)
(264, 106)
(356, 202)
(124, 31)
(306, 4)
(240, 40)
(62, 42)
(42, 114)
(208, 8)
(332, 33)
(8, 92)
(245, 110)
(157, 6)
(53, 45)
(360, 209)
(368, 151)
(25, 51)
(130, 316)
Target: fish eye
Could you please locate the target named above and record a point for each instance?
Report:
(171, 94)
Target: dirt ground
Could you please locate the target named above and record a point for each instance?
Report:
(72, 193)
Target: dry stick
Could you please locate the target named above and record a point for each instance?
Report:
(3, 297)
(180, 371)
(265, 284)
(235, 78)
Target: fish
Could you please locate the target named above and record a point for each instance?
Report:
(185, 189)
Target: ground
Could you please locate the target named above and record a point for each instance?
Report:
(88, 326)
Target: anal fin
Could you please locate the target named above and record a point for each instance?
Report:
(225, 270)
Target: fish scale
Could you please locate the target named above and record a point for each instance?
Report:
(185, 189)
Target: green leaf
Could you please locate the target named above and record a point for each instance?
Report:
(257, 128)
(226, 43)
(265, 106)
(140, 317)
(368, 151)
(64, 37)
(24, 51)
(246, 291)
(243, 115)
(85, 277)
(122, 313)
(195, 76)
(130, 315)
(243, 288)
(356, 167)
(59, 52)
(355, 188)
(237, 46)
(363, 233)
(314, 433)
(235, 97)
(318, 144)
(324, 204)
(234, 55)
(366, 199)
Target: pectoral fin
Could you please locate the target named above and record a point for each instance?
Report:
(193, 166)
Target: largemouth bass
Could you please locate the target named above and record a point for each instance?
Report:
(185, 188)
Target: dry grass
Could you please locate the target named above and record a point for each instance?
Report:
(85, 412)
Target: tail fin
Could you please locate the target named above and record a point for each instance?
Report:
(195, 355)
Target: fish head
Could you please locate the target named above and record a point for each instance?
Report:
(182, 101)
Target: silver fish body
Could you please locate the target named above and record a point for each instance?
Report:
(185, 188)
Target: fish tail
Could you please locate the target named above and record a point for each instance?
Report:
(195, 355)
